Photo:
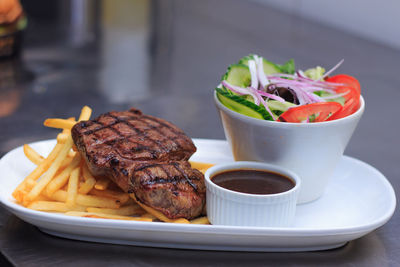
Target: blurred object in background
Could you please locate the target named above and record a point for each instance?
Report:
(80, 17)
(124, 76)
(13, 77)
(72, 24)
(12, 23)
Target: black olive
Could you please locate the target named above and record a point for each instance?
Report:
(286, 93)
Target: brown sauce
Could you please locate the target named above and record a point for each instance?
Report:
(253, 181)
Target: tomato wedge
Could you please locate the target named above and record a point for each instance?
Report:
(352, 98)
(301, 113)
(345, 79)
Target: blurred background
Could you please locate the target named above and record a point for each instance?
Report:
(166, 56)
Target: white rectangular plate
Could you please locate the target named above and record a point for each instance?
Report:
(358, 200)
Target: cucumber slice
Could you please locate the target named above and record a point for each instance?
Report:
(245, 60)
(238, 74)
(280, 106)
(269, 67)
(242, 106)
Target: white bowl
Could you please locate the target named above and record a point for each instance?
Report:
(311, 150)
(227, 207)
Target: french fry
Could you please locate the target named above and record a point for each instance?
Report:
(54, 206)
(203, 167)
(37, 172)
(59, 195)
(72, 153)
(124, 211)
(46, 178)
(90, 181)
(106, 216)
(30, 184)
(61, 179)
(86, 200)
(87, 175)
(102, 184)
(73, 187)
(59, 123)
(20, 195)
(66, 162)
(130, 201)
(62, 138)
(86, 187)
(71, 119)
(200, 220)
(32, 155)
(95, 201)
(180, 220)
(158, 214)
(86, 112)
(200, 165)
(120, 196)
(42, 197)
(148, 215)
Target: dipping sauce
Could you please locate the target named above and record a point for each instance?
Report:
(253, 181)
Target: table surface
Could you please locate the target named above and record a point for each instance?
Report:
(166, 61)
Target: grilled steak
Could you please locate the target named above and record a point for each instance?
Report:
(144, 155)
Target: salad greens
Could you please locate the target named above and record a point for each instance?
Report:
(315, 73)
(262, 89)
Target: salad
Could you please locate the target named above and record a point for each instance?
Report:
(261, 89)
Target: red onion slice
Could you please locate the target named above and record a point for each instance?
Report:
(241, 91)
(275, 97)
(302, 81)
(260, 72)
(253, 73)
(331, 70)
(256, 92)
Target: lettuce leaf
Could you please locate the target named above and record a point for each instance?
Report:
(315, 73)
(288, 67)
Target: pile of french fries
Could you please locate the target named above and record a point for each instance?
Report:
(62, 183)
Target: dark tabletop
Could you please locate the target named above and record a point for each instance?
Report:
(165, 57)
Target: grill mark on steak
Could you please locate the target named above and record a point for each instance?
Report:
(102, 126)
(178, 134)
(157, 180)
(141, 133)
(149, 174)
(163, 124)
(161, 165)
(185, 175)
(121, 137)
(172, 180)
(113, 141)
(88, 132)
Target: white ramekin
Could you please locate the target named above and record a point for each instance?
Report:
(227, 207)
